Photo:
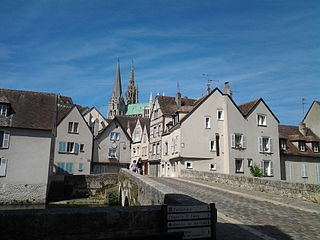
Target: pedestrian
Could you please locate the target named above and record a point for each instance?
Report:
(133, 166)
(139, 166)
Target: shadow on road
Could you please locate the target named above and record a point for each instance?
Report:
(228, 231)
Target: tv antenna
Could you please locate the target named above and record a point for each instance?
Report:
(303, 102)
(209, 81)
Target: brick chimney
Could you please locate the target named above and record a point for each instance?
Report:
(227, 89)
(303, 128)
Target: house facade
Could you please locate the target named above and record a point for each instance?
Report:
(73, 143)
(160, 118)
(312, 118)
(112, 147)
(95, 120)
(27, 131)
(217, 135)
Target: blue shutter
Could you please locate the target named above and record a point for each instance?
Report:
(80, 167)
(60, 167)
(62, 147)
(76, 148)
(69, 167)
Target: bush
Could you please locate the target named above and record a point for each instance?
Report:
(114, 199)
(256, 171)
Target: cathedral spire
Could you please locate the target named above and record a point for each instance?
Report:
(132, 91)
(117, 90)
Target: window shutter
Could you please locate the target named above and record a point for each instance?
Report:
(271, 145)
(233, 140)
(69, 167)
(244, 142)
(3, 167)
(304, 170)
(290, 172)
(318, 173)
(6, 138)
(80, 167)
(271, 169)
(260, 144)
(76, 148)
(214, 146)
(61, 168)
(262, 166)
(118, 136)
(62, 146)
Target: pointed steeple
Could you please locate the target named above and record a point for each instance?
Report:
(116, 103)
(117, 90)
(132, 74)
(132, 90)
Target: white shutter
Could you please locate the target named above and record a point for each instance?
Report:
(318, 173)
(271, 169)
(233, 140)
(3, 167)
(244, 142)
(304, 171)
(271, 145)
(290, 172)
(214, 146)
(260, 145)
(6, 139)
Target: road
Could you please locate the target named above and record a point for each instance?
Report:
(252, 215)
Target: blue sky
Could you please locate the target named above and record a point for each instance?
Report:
(268, 49)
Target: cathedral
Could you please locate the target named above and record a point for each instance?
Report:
(130, 106)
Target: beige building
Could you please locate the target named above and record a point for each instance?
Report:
(218, 135)
(112, 146)
(160, 120)
(96, 121)
(140, 142)
(300, 150)
(73, 148)
(27, 131)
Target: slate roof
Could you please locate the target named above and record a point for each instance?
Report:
(292, 134)
(62, 112)
(168, 105)
(145, 122)
(126, 121)
(31, 110)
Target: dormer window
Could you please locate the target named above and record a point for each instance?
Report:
(283, 144)
(3, 110)
(262, 120)
(315, 147)
(302, 146)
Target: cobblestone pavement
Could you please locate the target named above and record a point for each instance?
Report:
(252, 215)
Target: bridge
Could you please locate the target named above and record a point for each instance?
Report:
(197, 205)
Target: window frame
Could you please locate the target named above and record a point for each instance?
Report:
(264, 120)
(268, 146)
(315, 147)
(241, 170)
(3, 110)
(250, 162)
(269, 172)
(190, 165)
(5, 139)
(302, 146)
(221, 117)
(213, 167)
(114, 136)
(114, 151)
(213, 145)
(73, 127)
(207, 124)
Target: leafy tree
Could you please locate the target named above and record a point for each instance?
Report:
(114, 199)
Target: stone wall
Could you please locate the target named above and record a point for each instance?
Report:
(11, 193)
(80, 223)
(308, 192)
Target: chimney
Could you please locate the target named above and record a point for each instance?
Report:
(227, 89)
(95, 127)
(178, 100)
(303, 128)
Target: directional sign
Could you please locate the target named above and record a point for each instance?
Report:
(185, 209)
(190, 223)
(193, 233)
(186, 216)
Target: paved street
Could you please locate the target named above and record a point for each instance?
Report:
(250, 215)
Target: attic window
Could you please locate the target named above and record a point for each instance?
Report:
(3, 110)
(315, 147)
(302, 146)
(262, 120)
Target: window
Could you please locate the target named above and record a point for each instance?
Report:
(302, 146)
(283, 144)
(158, 148)
(112, 153)
(213, 167)
(262, 120)
(207, 122)
(265, 145)
(154, 131)
(63, 167)
(3, 167)
(250, 162)
(4, 139)
(73, 127)
(80, 168)
(239, 165)
(69, 147)
(81, 147)
(3, 110)
(166, 148)
(238, 141)
(266, 166)
(304, 173)
(159, 130)
(134, 153)
(220, 116)
(115, 136)
(69, 167)
(154, 149)
(315, 146)
(188, 165)
(212, 146)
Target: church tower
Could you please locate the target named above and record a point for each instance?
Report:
(116, 104)
(132, 91)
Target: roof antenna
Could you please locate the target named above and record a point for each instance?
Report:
(303, 102)
(208, 82)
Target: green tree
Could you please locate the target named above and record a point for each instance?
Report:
(256, 171)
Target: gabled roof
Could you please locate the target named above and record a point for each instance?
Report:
(168, 105)
(31, 110)
(145, 122)
(314, 102)
(62, 113)
(126, 122)
(245, 108)
(292, 134)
